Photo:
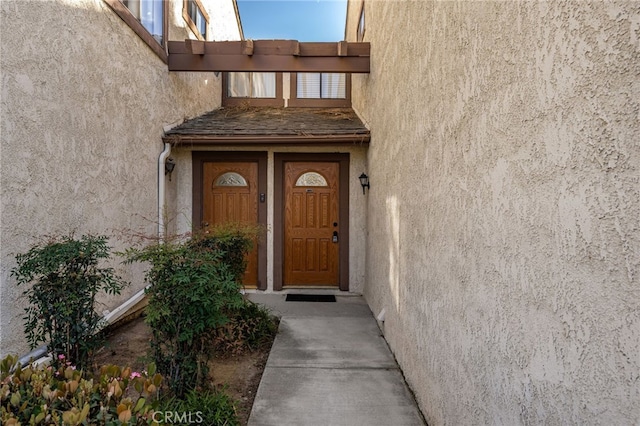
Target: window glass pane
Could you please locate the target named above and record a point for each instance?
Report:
(361, 25)
(239, 85)
(334, 85)
(264, 85)
(230, 179)
(151, 17)
(321, 86)
(311, 179)
(197, 17)
(251, 85)
(201, 24)
(308, 85)
(134, 7)
(149, 13)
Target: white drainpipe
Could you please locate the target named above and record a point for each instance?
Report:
(39, 355)
(161, 189)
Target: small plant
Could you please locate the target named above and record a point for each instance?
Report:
(250, 327)
(66, 278)
(205, 407)
(191, 290)
(38, 395)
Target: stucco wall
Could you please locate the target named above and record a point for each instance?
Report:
(181, 206)
(84, 103)
(504, 212)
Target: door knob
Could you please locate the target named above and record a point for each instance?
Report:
(335, 236)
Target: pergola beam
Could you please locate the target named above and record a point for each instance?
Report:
(247, 47)
(268, 56)
(195, 47)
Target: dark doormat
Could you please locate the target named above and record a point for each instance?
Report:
(310, 298)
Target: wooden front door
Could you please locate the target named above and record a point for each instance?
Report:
(230, 194)
(311, 228)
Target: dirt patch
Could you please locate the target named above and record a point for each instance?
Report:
(240, 375)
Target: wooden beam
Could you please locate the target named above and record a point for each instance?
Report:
(343, 48)
(310, 140)
(247, 47)
(195, 47)
(268, 56)
(277, 48)
(267, 63)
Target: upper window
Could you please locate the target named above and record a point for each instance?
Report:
(360, 32)
(196, 17)
(147, 18)
(321, 85)
(150, 14)
(252, 85)
(254, 88)
(320, 89)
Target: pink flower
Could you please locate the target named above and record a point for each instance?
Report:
(61, 357)
(135, 374)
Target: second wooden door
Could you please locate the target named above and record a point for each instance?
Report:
(311, 228)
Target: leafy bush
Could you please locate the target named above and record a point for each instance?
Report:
(192, 288)
(66, 278)
(205, 407)
(233, 240)
(250, 327)
(66, 396)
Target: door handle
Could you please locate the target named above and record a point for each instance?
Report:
(335, 236)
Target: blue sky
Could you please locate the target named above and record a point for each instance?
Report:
(302, 20)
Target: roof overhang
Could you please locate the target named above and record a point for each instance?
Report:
(308, 140)
(268, 56)
(271, 126)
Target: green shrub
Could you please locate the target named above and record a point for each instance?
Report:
(38, 395)
(191, 289)
(234, 241)
(66, 278)
(204, 407)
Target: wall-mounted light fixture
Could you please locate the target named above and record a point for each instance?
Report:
(169, 165)
(364, 181)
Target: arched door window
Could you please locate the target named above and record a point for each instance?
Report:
(311, 179)
(230, 179)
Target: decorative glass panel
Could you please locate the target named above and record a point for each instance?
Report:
(230, 179)
(311, 179)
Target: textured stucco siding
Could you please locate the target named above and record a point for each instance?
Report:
(504, 212)
(84, 103)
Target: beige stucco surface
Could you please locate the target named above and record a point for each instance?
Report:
(504, 212)
(181, 207)
(83, 106)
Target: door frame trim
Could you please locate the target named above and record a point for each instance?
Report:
(198, 160)
(278, 212)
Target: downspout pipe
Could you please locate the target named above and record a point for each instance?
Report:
(161, 190)
(40, 355)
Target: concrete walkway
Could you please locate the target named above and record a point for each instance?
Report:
(329, 365)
